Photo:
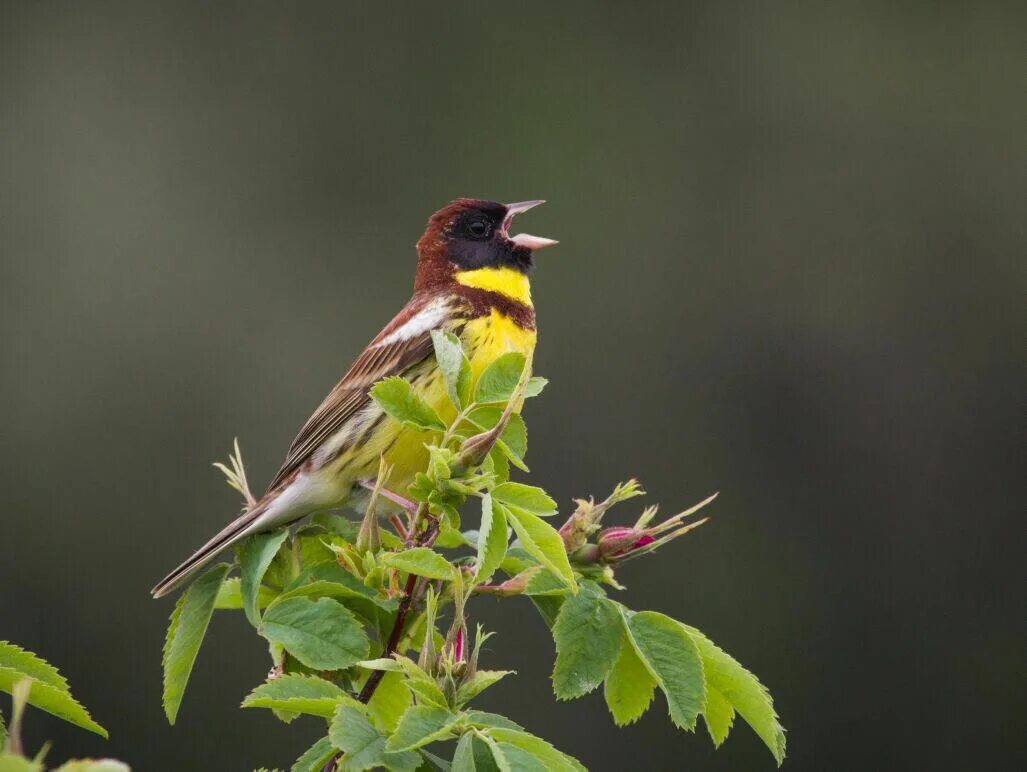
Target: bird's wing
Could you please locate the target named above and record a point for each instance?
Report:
(404, 342)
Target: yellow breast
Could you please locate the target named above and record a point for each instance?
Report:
(489, 337)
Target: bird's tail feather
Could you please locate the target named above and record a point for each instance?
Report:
(248, 522)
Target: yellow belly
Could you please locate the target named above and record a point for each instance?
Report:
(484, 339)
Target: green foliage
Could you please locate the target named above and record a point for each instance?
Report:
(492, 540)
(588, 638)
(421, 561)
(31, 680)
(370, 634)
(396, 397)
(322, 634)
(629, 686)
(255, 557)
(540, 540)
(297, 693)
(672, 659)
(455, 367)
(188, 625)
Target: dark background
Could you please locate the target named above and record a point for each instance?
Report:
(791, 269)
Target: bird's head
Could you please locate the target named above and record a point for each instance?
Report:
(471, 234)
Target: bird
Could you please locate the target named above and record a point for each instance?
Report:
(472, 279)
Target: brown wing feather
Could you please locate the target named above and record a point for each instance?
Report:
(351, 393)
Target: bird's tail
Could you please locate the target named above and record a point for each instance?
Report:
(250, 521)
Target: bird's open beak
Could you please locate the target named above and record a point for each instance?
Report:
(525, 239)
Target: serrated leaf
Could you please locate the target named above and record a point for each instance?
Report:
(397, 398)
(498, 381)
(588, 633)
(718, 715)
(186, 629)
(474, 754)
(427, 693)
(421, 725)
(363, 745)
(421, 561)
(230, 595)
(672, 658)
(315, 757)
(255, 556)
(455, 367)
(629, 687)
(492, 540)
(322, 634)
(547, 755)
(742, 690)
(535, 385)
(478, 683)
(542, 581)
(54, 700)
(526, 497)
(297, 694)
(390, 701)
(31, 665)
(486, 720)
(540, 540)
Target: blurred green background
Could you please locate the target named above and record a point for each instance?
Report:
(791, 269)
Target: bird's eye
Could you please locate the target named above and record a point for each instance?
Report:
(478, 228)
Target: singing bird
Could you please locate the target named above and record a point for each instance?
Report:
(471, 280)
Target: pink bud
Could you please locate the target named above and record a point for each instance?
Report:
(620, 540)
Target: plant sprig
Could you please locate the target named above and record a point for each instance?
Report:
(368, 627)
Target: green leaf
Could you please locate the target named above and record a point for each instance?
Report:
(230, 595)
(629, 687)
(3, 732)
(92, 765)
(485, 720)
(743, 691)
(322, 634)
(297, 694)
(492, 540)
(255, 556)
(542, 581)
(11, 763)
(672, 658)
(536, 384)
(525, 497)
(421, 725)
(718, 715)
(363, 745)
(390, 701)
(53, 699)
(463, 758)
(27, 663)
(397, 398)
(473, 754)
(588, 633)
(188, 625)
(315, 757)
(455, 367)
(550, 757)
(478, 683)
(421, 561)
(540, 540)
(498, 381)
